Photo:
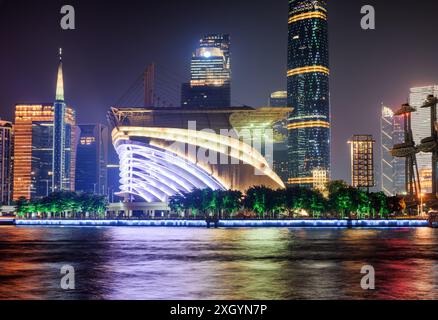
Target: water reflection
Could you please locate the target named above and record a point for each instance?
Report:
(182, 263)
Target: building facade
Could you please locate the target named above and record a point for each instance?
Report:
(92, 159)
(6, 159)
(362, 161)
(421, 130)
(210, 82)
(308, 91)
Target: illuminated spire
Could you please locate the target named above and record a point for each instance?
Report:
(60, 80)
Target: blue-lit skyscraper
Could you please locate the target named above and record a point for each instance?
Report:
(308, 91)
(63, 139)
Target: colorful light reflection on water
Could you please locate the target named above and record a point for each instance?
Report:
(193, 263)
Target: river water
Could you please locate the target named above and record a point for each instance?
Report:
(186, 263)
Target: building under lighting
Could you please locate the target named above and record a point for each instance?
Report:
(362, 161)
(421, 130)
(92, 159)
(210, 83)
(308, 91)
(167, 151)
(6, 147)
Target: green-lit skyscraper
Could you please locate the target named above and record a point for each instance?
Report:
(308, 92)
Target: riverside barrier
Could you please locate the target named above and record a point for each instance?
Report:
(231, 223)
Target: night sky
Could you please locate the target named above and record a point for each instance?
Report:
(115, 40)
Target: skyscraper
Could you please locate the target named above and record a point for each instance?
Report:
(421, 130)
(92, 159)
(63, 137)
(308, 91)
(210, 83)
(6, 146)
(362, 161)
(392, 170)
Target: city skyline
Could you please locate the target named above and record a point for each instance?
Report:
(218, 151)
(101, 88)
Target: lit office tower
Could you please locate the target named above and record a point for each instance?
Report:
(210, 83)
(392, 169)
(308, 91)
(92, 159)
(362, 161)
(421, 130)
(6, 145)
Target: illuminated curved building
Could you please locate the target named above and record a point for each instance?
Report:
(168, 151)
(308, 91)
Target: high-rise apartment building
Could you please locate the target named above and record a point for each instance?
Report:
(308, 91)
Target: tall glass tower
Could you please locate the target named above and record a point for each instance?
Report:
(308, 91)
(63, 139)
